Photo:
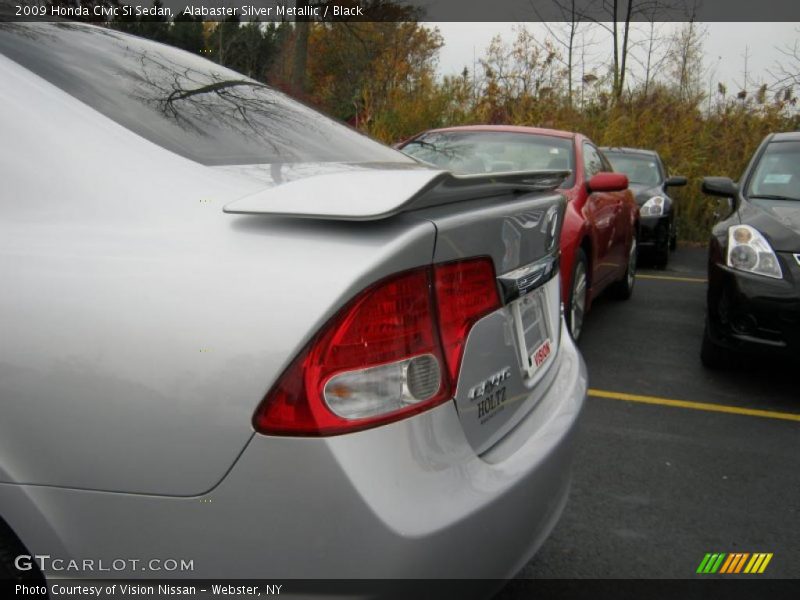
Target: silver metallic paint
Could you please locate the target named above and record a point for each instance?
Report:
(411, 499)
(140, 327)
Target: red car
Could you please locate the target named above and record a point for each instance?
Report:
(598, 238)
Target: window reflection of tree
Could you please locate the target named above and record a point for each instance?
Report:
(184, 103)
(442, 149)
(199, 101)
(592, 163)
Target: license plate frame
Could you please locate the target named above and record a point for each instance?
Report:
(533, 331)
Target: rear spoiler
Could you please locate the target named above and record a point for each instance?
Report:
(380, 193)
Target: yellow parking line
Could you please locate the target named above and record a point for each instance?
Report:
(669, 278)
(723, 408)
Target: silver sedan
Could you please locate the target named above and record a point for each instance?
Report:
(240, 336)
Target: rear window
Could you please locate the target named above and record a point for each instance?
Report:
(640, 168)
(181, 102)
(472, 152)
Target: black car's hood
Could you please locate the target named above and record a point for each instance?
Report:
(778, 220)
(642, 192)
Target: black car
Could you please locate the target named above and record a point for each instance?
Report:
(648, 180)
(754, 257)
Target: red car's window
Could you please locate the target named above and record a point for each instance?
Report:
(592, 161)
(472, 152)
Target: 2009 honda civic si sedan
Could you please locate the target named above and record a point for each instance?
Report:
(238, 334)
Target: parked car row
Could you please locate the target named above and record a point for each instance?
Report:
(611, 216)
(754, 253)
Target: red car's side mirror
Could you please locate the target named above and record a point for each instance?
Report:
(608, 182)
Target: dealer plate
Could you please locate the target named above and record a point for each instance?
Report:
(533, 331)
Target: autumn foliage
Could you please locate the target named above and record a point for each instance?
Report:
(381, 77)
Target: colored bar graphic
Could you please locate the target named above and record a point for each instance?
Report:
(703, 563)
(717, 564)
(765, 563)
(727, 564)
(755, 562)
(734, 563)
(710, 564)
(741, 562)
(730, 564)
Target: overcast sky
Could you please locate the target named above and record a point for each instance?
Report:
(724, 46)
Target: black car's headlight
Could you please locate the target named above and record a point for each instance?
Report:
(749, 251)
(654, 207)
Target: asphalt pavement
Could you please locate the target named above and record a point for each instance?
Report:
(661, 478)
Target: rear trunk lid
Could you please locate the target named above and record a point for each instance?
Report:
(508, 356)
(347, 192)
(513, 218)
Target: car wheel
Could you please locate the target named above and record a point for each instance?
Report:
(712, 355)
(577, 295)
(623, 289)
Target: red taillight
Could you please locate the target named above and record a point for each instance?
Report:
(387, 322)
(380, 358)
(465, 291)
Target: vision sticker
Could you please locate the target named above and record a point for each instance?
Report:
(540, 355)
(533, 331)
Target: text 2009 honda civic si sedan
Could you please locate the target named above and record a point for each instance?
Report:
(236, 333)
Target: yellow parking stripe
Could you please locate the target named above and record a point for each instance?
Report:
(670, 278)
(723, 408)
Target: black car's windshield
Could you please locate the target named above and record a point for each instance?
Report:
(184, 103)
(640, 168)
(471, 152)
(777, 174)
